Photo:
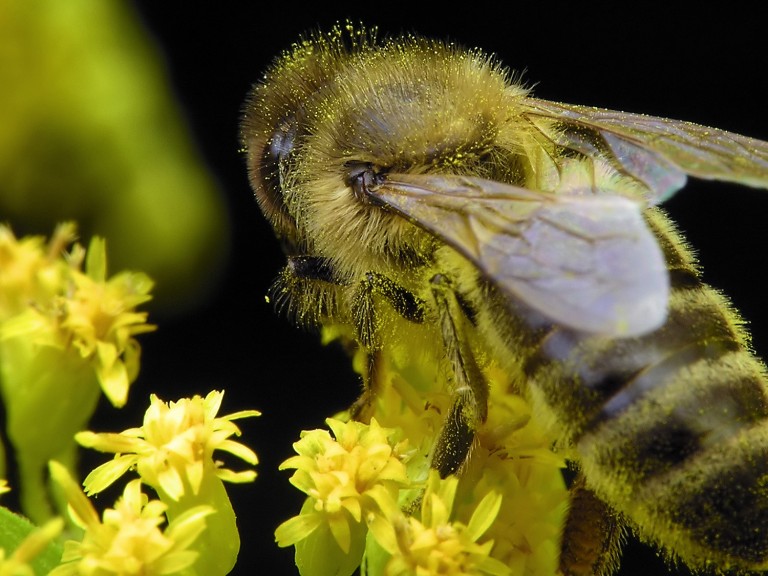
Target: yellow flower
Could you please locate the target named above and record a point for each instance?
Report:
(173, 453)
(437, 545)
(30, 273)
(102, 322)
(173, 450)
(48, 300)
(128, 540)
(347, 479)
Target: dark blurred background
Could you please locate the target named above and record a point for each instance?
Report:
(704, 65)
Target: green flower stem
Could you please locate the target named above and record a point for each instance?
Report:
(49, 395)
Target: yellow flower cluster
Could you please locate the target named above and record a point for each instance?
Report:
(173, 452)
(503, 515)
(47, 299)
(30, 271)
(128, 540)
(348, 479)
(67, 334)
(174, 448)
(436, 544)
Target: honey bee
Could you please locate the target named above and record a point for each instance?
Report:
(414, 178)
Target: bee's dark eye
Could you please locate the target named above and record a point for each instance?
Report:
(281, 143)
(271, 168)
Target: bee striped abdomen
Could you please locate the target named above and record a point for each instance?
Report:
(672, 427)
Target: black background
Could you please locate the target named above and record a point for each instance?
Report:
(702, 65)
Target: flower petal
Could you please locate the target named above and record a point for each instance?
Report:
(296, 529)
(484, 515)
(105, 475)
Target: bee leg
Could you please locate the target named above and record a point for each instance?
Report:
(592, 535)
(367, 322)
(470, 390)
(368, 328)
(362, 409)
(306, 269)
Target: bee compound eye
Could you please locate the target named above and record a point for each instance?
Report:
(276, 151)
(269, 171)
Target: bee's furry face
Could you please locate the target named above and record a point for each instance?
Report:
(415, 106)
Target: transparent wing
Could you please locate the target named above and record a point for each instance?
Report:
(656, 151)
(588, 262)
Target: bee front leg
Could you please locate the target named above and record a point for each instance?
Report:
(470, 390)
(368, 328)
(362, 408)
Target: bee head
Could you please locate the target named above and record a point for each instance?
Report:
(341, 108)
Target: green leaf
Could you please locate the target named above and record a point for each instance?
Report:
(15, 528)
